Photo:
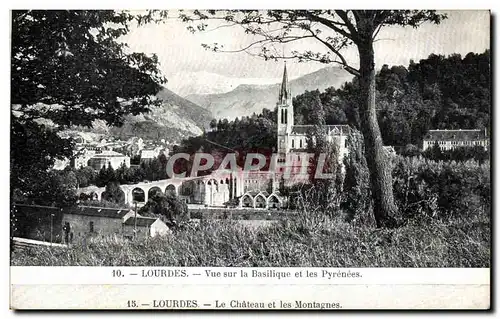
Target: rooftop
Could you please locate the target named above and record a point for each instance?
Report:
(98, 211)
(109, 153)
(141, 221)
(27, 208)
(331, 129)
(455, 135)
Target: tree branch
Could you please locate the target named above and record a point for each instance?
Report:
(328, 24)
(343, 15)
(343, 61)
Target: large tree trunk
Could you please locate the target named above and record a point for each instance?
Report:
(376, 157)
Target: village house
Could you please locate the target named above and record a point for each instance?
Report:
(66, 225)
(85, 221)
(105, 158)
(82, 221)
(144, 227)
(148, 154)
(452, 139)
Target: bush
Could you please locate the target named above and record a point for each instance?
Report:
(411, 150)
(426, 188)
(168, 207)
(462, 154)
(356, 197)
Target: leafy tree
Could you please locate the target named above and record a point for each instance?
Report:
(335, 29)
(168, 207)
(69, 68)
(434, 152)
(54, 188)
(113, 193)
(105, 175)
(303, 107)
(86, 176)
(411, 150)
(110, 173)
(34, 149)
(325, 192)
(461, 154)
(356, 197)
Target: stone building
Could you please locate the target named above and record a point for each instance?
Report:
(83, 221)
(144, 227)
(452, 139)
(107, 157)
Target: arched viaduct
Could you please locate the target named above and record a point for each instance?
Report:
(212, 190)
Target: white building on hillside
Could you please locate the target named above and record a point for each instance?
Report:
(451, 139)
(105, 158)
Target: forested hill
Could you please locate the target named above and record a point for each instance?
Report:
(247, 99)
(436, 93)
(174, 119)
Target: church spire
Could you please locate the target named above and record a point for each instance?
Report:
(284, 90)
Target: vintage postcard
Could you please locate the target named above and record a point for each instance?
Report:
(250, 159)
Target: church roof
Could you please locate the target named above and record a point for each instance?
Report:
(284, 89)
(331, 129)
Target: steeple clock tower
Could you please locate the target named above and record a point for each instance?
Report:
(285, 114)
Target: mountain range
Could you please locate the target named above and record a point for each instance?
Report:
(247, 99)
(178, 117)
(203, 82)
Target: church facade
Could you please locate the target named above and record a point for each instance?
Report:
(292, 139)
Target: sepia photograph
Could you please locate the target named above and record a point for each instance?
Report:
(251, 138)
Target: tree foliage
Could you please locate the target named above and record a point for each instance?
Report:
(113, 193)
(356, 197)
(413, 99)
(70, 68)
(248, 134)
(166, 206)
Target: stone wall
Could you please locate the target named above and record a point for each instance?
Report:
(102, 226)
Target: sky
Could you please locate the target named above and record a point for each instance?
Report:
(183, 59)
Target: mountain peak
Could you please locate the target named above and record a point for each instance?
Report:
(246, 99)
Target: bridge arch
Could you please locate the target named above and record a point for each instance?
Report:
(138, 195)
(247, 200)
(274, 201)
(260, 201)
(171, 189)
(153, 191)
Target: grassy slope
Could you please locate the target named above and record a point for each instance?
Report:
(308, 242)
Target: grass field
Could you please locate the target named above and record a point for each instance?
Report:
(302, 241)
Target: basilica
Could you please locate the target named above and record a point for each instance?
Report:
(292, 139)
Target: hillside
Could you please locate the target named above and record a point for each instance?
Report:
(247, 99)
(203, 82)
(175, 119)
